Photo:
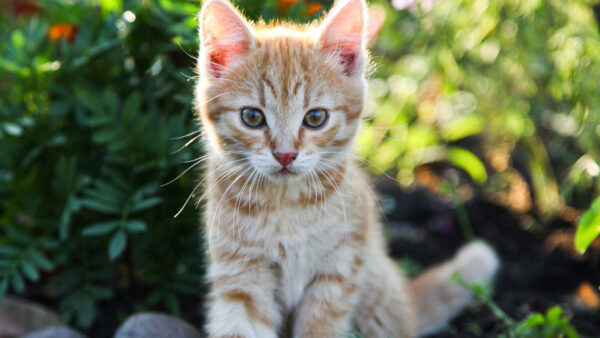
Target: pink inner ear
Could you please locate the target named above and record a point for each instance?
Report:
(374, 22)
(343, 33)
(348, 61)
(225, 36)
(222, 56)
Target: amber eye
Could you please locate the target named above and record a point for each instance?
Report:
(315, 118)
(253, 117)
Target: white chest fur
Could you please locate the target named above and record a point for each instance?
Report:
(298, 248)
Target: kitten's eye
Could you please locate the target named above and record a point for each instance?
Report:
(315, 118)
(253, 117)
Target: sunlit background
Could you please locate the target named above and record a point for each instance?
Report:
(482, 121)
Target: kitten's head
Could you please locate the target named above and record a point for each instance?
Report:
(285, 100)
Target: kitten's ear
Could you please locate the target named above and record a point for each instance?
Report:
(343, 33)
(375, 17)
(225, 36)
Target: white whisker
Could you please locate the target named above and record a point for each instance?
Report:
(187, 144)
(186, 135)
(191, 194)
(218, 209)
(216, 96)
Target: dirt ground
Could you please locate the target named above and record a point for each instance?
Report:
(534, 276)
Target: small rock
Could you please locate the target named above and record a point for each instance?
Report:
(55, 332)
(148, 324)
(19, 316)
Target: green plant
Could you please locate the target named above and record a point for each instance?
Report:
(551, 324)
(537, 325)
(589, 227)
(449, 187)
(86, 123)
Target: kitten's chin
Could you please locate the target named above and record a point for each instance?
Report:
(284, 176)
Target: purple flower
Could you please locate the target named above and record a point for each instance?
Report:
(401, 5)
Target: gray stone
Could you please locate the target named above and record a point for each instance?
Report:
(157, 325)
(55, 332)
(19, 316)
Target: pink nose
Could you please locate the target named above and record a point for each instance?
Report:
(285, 158)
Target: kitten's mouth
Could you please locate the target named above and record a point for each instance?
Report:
(284, 174)
(287, 172)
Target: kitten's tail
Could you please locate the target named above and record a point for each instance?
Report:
(437, 298)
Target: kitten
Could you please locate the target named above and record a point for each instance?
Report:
(292, 226)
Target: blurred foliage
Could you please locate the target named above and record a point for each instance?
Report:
(92, 94)
(551, 324)
(513, 82)
(96, 116)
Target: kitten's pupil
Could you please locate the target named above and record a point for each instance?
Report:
(315, 118)
(253, 117)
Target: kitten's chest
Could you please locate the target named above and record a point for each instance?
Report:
(296, 269)
(297, 255)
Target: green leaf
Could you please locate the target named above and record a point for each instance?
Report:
(101, 228)
(147, 189)
(40, 260)
(589, 227)
(466, 160)
(117, 244)
(18, 39)
(101, 206)
(98, 120)
(30, 271)
(111, 100)
(554, 314)
(58, 108)
(18, 283)
(105, 135)
(9, 250)
(463, 127)
(89, 100)
(100, 292)
(86, 312)
(18, 236)
(109, 6)
(65, 219)
(135, 225)
(117, 178)
(107, 191)
(145, 204)
(132, 105)
(535, 320)
(172, 304)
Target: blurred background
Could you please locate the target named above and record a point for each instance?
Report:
(483, 121)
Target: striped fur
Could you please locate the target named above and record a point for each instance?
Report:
(302, 254)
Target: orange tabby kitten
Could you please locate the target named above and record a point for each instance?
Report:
(293, 231)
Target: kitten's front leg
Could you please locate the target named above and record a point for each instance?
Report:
(329, 299)
(242, 297)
